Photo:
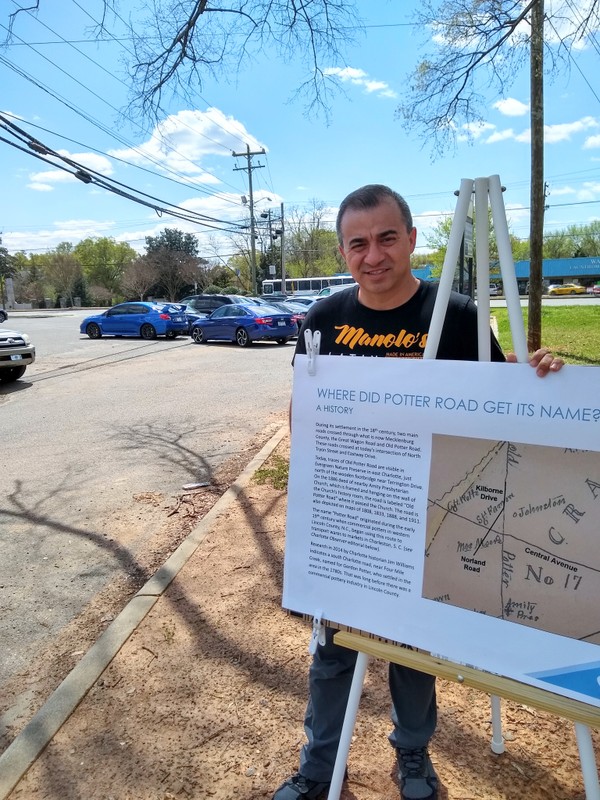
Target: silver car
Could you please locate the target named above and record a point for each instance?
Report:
(16, 354)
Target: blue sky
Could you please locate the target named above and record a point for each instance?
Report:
(188, 161)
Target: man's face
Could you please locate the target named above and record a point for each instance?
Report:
(377, 247)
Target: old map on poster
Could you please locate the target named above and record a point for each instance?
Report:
(509, 531)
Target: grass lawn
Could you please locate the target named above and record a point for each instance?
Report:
(571, 332)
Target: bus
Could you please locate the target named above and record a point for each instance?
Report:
(306, 285)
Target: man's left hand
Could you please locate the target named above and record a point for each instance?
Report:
(542, 361)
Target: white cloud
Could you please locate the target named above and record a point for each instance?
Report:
(73, 230)
(511, 107)
(563, 132)
(589, 191)
(500, 136)
(95, 161)
(40, 187)
(182, 141)
(45, 181)
(359, 77)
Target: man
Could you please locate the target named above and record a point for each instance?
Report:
(376, 238)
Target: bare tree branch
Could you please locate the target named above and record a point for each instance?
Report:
(186, 41)
(479, 44)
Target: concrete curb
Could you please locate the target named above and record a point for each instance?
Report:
(27, 745)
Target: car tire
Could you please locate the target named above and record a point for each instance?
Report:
(242, 338)
(148, 331)
(12, 374)
(3, 315)
(283, 340)
(94, 331)
(171, 334)
(198, 336)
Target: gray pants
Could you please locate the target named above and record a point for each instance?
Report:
(414, 711)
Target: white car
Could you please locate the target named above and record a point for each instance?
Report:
(333, 289)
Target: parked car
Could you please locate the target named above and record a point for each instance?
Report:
(328, 290)
(3, 315)
(137, 319)
(244, 324)
(304, 299)
(16, 354)
(566, 288)
(594, 289)
(201, 305)
(297, 310)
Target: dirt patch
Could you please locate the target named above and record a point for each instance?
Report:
(206, 699)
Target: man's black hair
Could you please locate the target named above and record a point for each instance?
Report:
(371, 196)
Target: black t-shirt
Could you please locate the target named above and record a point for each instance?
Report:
(349, 328)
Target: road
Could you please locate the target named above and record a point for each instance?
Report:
(94, 435)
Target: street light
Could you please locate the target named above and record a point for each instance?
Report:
(275, 233)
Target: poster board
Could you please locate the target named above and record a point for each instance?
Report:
(454, 507)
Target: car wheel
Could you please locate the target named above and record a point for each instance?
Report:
(198, 336)
(148, 331)
(93, 331)
(283, 340)
(3, 315)
(242, 338)
(11, 374)
(171, 334)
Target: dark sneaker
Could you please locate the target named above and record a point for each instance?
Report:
(298, 787)
(416, 774)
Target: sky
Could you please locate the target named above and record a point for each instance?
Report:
(70, 90)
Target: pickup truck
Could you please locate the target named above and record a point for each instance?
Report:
(16, 354)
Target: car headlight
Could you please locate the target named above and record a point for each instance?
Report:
(26, 338)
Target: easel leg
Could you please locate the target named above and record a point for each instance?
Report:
(588, 761)
(341, 758)
(497, 738)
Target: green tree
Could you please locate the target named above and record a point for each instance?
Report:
(7, 270)
(311, 244)
(64, 271)
(139, 277)
(174, 254)
(104, 261)
(30, 278)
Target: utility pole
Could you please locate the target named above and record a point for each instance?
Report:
(249, 167)
(538, 199)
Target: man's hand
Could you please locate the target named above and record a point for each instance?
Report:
(542, 360)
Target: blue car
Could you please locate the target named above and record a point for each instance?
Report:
(244, 324)
(147, 320)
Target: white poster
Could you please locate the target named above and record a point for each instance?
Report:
(452, 506)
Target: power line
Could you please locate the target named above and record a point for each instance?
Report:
(87, 175)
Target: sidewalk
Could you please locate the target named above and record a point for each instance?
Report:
(198, 688)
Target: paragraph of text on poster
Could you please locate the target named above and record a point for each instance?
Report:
(369, 501)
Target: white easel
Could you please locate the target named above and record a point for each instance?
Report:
(485, 189)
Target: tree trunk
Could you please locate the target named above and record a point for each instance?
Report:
(536, 224)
